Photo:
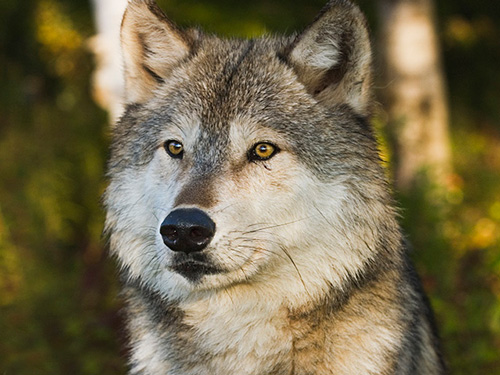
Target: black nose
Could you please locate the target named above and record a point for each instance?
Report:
(187, 230)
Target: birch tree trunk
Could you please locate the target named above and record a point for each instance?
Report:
(414, 92)
(108, 80)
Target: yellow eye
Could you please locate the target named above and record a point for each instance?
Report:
(262, 151)
(174, 148)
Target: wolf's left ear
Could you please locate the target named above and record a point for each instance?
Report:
(332, 57)
(152, 46)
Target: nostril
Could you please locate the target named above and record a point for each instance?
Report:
(170, 232)
(199, 234)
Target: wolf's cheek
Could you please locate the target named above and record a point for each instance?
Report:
(258, 210)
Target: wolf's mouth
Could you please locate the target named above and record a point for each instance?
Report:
(194, 266)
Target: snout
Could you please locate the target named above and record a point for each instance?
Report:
(187, 230)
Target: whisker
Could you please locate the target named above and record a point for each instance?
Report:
(276, 225)
(286, 253)
(263, 249)
(224, 208)
(297, 269)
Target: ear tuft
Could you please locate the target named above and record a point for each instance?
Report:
(332, 57)
(152, 46)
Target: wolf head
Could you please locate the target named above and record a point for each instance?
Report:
(246, 162)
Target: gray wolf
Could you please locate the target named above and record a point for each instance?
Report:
(249, 211)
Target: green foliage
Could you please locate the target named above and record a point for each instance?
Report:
(57, 293)
(58, 304)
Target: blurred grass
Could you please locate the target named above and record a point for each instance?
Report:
(58, 304)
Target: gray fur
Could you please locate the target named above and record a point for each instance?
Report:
(308, 272)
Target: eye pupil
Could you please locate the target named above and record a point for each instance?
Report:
(174, 149)
(263, 150)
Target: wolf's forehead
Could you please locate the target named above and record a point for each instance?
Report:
(230, 79)
(238, 90)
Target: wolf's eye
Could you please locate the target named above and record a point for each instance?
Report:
(174, 148)
(262, 151)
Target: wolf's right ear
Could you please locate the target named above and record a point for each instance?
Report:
(332, 57)
(152, 46)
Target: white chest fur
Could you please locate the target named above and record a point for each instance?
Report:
(248, 337)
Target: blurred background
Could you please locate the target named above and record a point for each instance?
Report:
(438, 120)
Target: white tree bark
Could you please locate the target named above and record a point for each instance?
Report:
(415, 95)
(108, 79)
